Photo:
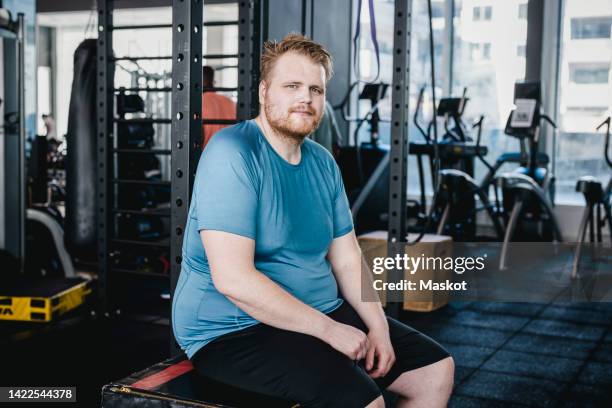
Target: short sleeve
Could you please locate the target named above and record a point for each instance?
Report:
(343, 219)
(225, 188)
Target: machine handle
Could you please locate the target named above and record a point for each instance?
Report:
(549, 120)
(478, 124)
(605, 122)
(415, 119)
(607, 145)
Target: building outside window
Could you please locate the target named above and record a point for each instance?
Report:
(490, 78)
(584, 28)
(488, 13)
(419, 68)
(589, 73)
(584, 91)
(522, 11)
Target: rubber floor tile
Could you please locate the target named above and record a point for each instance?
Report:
(571, 314)
(565, 329)
(534, 366)
(490, 321)
(510, 308)
(586, 396)
(596, 374)
(511, 389)
(475, 336)
(550, 345)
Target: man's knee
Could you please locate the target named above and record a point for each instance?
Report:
(442, 378)
(377, 403)
(447, 375)
(435, 380)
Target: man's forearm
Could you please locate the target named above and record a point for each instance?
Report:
(264, 300)
(349, 277)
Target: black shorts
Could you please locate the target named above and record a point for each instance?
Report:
(304, 369)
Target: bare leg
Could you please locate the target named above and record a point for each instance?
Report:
(377, 403)
(428, 387)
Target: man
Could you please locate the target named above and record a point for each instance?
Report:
(269, 240)
(214, 105)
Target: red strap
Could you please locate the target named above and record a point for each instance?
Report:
(164, 375)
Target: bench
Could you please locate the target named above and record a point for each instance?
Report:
(175, 383)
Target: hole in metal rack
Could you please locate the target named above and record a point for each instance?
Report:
(180, 28)
(179, 115)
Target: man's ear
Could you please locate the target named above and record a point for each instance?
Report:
(263, 89)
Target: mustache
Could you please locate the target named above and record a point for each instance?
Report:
(302, 110)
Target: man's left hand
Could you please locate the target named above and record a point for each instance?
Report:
(379, 348)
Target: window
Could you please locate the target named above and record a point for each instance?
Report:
(522, 11)
(482, 13)
(587, 110)
(591, 27)
(486, 51)
(70, 29)
(584, 90)
(419, 69)
(580, 73)
(490, 77)
(521, 51)
(488, 13)
(480, 51)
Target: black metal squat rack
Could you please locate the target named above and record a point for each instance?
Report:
(186, 124)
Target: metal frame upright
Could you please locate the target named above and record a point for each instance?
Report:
(108, 148)
(187, 19)
(187, 24)
(105, 104)
(399, 140)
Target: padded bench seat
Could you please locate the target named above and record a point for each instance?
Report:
(175, 383)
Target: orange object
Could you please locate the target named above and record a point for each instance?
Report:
(215, 106)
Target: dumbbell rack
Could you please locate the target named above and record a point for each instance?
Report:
(186, 126)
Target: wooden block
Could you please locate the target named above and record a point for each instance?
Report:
(374, 245)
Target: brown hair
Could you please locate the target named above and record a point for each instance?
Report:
(294, 42)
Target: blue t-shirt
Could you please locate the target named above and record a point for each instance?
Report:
(293, 212)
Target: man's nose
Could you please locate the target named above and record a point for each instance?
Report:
(305, 96)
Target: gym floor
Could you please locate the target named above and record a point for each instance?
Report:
(506, 354)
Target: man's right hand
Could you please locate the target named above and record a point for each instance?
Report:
(347, 339)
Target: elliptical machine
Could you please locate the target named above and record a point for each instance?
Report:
(528, 191)
(597, 209)
(455, 207)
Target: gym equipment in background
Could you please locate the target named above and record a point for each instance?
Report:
(12, 130)
(528, 192)
(39, 282)
(597, 210)
(455, 207)
(80, 225)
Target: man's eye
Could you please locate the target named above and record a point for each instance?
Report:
(317, 91)
(292, 86)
